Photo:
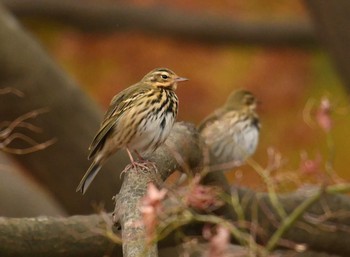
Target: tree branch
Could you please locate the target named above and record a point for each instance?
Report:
(84, 235)
(183, 144)
(97, 17)
(73, 236)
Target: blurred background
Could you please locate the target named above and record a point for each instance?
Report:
(289, 75)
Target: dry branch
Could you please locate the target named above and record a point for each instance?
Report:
(106, 17)
(81, 235)
(73, 236)
(181, 151)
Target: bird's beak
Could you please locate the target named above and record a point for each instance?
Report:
(179, 79)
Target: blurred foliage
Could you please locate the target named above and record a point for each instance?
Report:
(283, 79)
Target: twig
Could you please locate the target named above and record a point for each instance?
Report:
(18, 122)
(270, 187)
(28, 150)
(11, 90)
(288, 221)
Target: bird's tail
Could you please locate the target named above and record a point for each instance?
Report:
(89, 177)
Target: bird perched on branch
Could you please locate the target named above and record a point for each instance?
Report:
(139, 119)
(232, 131)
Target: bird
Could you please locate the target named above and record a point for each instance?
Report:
(232, 132)
(139, 119)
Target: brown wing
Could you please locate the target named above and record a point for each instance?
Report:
(210, 119)
(122, 102)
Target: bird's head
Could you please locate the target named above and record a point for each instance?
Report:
(163, 78)
(241, 99)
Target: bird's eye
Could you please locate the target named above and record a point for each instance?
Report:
(164, 76)
(249, 100)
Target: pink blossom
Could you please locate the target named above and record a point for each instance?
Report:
(323, 115)
(310, 166)
(202, 197)
(151, 206)
(218, 243)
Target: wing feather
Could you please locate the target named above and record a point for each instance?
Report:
(120, 103)
(210, 119)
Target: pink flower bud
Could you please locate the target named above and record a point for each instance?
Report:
(323, 115)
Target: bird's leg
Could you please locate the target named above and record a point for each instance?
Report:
(140, 163)
(139, 156)
(145, 162)
(130, 155)
(129, 166)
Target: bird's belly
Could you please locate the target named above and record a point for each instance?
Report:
(247, 141)
(241, 145)
(151, 133)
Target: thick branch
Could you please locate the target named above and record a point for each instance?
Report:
(77, 234)
(181, 148)
(330, 235)
(73, 236)
(205, 28)
(236, 250)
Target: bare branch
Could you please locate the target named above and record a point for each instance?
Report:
(18, 122)
(83, 235)
(7, 134)
(31, 149)
(184, 139)
(97, 17)
(10, 90)
(74, 236)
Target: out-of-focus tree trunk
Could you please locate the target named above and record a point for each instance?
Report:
(332, 22)
(20, 196)
(72, 119)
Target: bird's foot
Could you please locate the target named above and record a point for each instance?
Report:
(140, 165)
(144, 165)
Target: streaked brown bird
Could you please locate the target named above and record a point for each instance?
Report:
(232, 131)
(139, 119)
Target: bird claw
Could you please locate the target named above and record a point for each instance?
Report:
(140, 165)
(145, 165)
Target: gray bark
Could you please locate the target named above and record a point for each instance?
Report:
(83, 235)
